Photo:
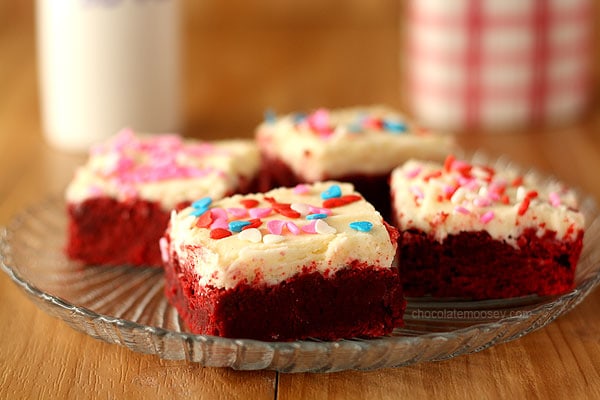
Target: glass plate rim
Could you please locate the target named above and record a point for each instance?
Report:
(570, 299)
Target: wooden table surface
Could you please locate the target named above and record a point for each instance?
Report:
(41, 357)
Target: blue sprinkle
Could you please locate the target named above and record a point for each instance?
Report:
(203, 203)
(334, 191)
(394, 126)
(316, 216)
(270, 116)
(236, 226)
(196, 212)
(298, 117)
(361, 226)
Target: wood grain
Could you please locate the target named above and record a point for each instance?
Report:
(240, 59)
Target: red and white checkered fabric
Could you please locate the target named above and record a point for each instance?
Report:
(495, 64)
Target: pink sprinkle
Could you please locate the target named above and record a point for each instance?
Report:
(319, 121)
(319, 210)
(462, 210)
(449, 190)
(457, 165)
(487, 217)
(463, 180)
(260, 212)
(310, 227)
(238, 212)
(482, 202)
(413, 173)
(417, 192)
(292, 227)
(301, 189)
(275, 226)
(219, 213)
(494, 196)
(497, 186)
(472, 185)
(554, 199)
(220, 223)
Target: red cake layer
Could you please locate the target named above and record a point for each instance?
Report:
(355, 302)
(104, 231)
(476, 266)
(375, 188)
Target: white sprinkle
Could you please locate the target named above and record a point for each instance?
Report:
(323, 227)
(271, 238)
(521, 192)
(251, 235)
(480, 173)
(458, 196)
(302, 208)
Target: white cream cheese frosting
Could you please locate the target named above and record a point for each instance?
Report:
(322, 227)
(458, 196)
(362, 140)
(163, 168)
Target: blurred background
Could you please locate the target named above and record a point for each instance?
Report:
(240, 58)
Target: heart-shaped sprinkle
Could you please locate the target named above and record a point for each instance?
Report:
(341, 201)
(275, 226)
(310, 227)
(285, 210)
(260, 212)
(219, 212)
(292, 227)
(236, 226)
(204, 202)
(333, 191)
(219, 233)
(301, 189)
(254, 223)
(270, 238)
(251, 235)
(237, 212)
(323, 227)
(219, 223)
(249, 203)
(319, 210)
(196, 212)
(361, 226)
(205, 220)
(316, 216)
(302, 208)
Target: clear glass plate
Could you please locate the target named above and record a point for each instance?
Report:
(126, 306)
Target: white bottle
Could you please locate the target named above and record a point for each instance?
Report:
(105, 65)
